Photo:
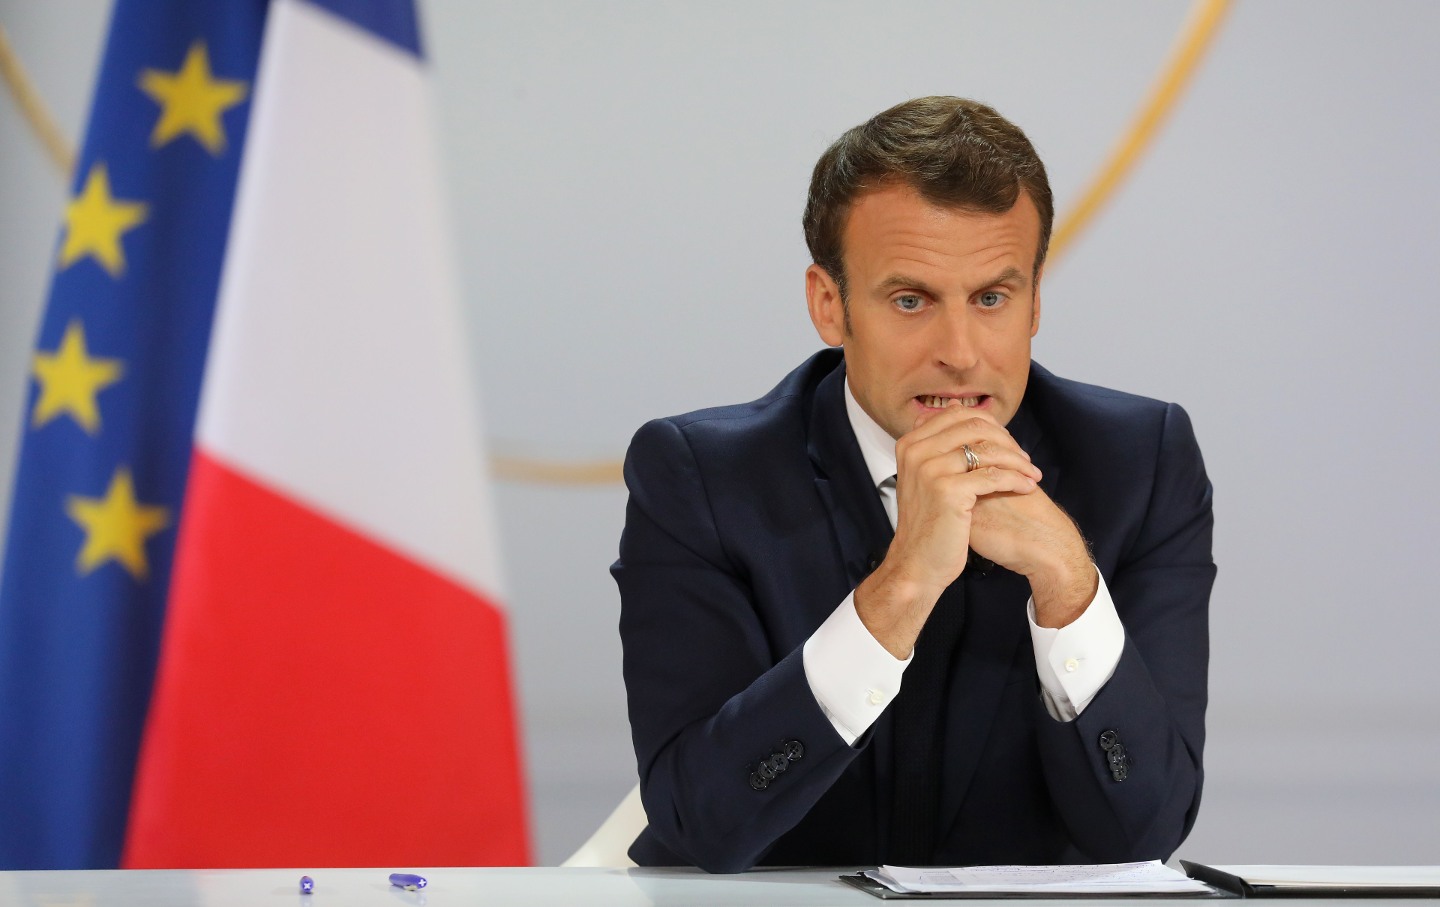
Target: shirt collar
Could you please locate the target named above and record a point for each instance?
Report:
(876, 445)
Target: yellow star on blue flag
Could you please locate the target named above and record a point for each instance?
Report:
(70, 379)
(116, 526)
(94, 222)
(192, 100)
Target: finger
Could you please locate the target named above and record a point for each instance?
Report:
(940, 418)
(991, 444)
(919, 446)
(989, 480)
(959, 424)
(1005, 455)
(951, 463)
(958, 493)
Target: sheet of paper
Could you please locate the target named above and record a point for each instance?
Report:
(1337, 876)
(1117, 878)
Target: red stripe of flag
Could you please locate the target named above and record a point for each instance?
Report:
(321, 700)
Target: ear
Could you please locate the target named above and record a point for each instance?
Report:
(1035, 305)
(827, 311)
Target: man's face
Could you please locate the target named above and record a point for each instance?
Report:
(943, 304)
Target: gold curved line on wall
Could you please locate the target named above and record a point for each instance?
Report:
(1195, 38)
(33, 109)
(1203, 22)
(553, 472)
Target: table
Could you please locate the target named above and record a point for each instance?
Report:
(494, 887)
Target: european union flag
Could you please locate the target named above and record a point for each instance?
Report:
(108, 434)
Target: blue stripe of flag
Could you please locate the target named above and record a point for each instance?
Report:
(392, 20)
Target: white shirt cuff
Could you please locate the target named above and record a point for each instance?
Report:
(851, 675)
(1076, 660)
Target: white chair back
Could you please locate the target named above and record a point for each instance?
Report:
(607, 846)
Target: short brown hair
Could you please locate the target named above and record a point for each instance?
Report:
(955, 152)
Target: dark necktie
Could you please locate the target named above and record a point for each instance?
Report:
(918, 733)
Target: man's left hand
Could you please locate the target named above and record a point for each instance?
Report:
(1030, 535)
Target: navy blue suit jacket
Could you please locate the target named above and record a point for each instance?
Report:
(747, 525)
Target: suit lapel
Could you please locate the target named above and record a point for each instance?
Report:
(862, 530)
(1028, 429)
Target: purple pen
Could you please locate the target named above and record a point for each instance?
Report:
(407, 881)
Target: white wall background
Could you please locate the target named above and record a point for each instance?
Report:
(628, 179)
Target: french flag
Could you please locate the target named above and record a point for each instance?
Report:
(331, 684)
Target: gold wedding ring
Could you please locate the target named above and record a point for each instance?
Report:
(972, 462)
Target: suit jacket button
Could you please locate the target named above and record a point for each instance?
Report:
(1108, 739)
(778, 763)
(757, 782)
(1121, 772)
(794, 750)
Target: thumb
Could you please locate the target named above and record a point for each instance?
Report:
(925, 416)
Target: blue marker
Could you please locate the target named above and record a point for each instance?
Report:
(407, 881)
(307, 884)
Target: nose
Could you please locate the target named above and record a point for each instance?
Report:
(955, 340)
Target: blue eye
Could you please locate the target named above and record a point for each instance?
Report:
(909, 303)
(991, 300)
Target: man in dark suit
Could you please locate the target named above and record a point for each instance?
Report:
(924, 602)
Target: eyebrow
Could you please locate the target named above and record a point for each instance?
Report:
(1011, 276)
(901, 281)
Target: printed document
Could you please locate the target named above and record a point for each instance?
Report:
(1151, 877)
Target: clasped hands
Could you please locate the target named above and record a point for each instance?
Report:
(945, 508)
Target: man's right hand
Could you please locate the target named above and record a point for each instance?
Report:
(936, 494)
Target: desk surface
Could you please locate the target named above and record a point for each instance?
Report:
(510, 887)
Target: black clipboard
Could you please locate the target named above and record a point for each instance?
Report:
(1237, 885)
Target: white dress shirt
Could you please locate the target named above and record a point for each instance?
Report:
(853, 677)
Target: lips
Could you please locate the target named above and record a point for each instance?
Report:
(936, 401)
